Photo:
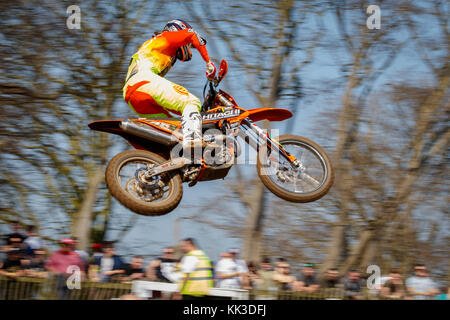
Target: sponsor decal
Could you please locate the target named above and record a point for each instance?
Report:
(180, 90)
(200, 39)
(221, 115)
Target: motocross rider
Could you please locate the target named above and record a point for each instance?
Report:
(149, 94)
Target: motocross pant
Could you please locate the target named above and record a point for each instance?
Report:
(150, 95)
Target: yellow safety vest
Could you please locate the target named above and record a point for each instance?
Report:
(201, 279)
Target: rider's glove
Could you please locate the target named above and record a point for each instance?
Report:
(210, 70)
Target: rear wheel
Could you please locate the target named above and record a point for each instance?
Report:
(125, 178)
(309, 181)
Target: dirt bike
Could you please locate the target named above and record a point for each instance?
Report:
(149, 180)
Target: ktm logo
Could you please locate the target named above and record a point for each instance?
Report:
(181, 90)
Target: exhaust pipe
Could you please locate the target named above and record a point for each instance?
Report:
(147, 132)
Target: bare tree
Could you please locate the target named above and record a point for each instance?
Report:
(264, 49)
(54, 81)
(378, 179)
(371, 214)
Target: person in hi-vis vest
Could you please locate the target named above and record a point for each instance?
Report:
(196, 271)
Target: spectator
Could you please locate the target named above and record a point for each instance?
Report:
(352, 285)
(279, 261)
(444, 294)
(97, 250)
(60, 265)
(83, 254)
(109, 265)
(242, 267)
(134, 270)
(15, 238)
(12, 265)
(36, 266)
(265, 280)
(285, 280)
(33, 241)
(393, 288)
(59, 261)
(307, 281)
(227, 272)
(93, 268)
(420, 286)
(163, 268)
(251, 276)
(196, 272)
(331, 279)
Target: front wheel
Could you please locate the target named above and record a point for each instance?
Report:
(125, 178)
(309, 181)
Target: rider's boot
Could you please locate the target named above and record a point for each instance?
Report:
(193, 144)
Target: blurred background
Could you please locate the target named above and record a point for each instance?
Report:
(377, 100)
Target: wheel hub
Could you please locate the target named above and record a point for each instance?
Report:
(145, 186)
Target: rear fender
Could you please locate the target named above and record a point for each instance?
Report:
(113, 126)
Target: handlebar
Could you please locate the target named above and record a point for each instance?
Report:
(208, 98)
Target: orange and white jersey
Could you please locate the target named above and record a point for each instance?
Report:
(158, 53)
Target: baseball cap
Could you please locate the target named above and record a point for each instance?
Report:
(67, 241)
(234, 250)
(97, 246)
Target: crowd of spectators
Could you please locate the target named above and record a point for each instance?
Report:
(24, 255)
(269, 278)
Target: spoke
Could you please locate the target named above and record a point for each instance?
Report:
(307, 176)
(302, 157)
(295, 184)
(306, 180)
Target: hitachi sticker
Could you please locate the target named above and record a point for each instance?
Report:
(221, 115)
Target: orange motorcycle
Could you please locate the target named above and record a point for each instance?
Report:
(149, 180)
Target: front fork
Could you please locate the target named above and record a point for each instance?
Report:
(257, 137)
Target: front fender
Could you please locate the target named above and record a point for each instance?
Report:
(271, 114)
